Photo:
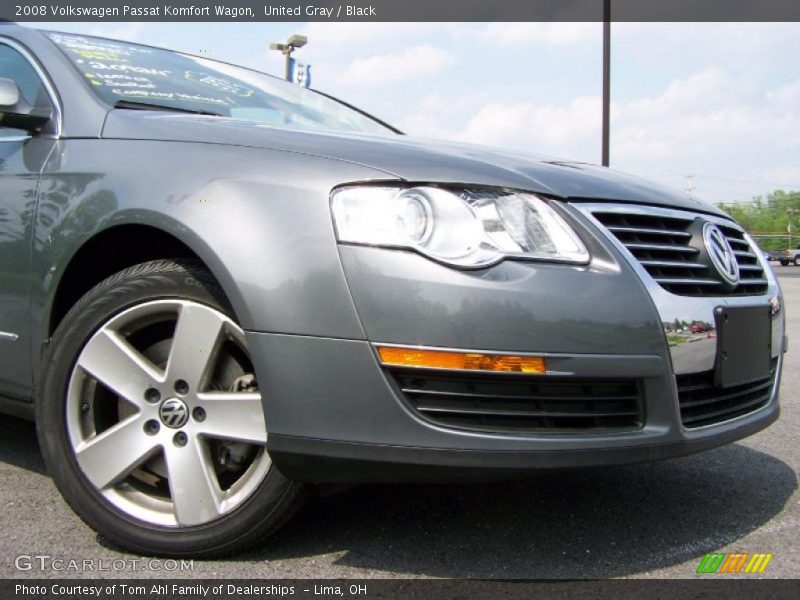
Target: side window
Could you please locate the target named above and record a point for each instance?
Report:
(16, 67)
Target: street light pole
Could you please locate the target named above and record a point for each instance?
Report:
(287, 69)
(606, 82)
(791, 212)
(293, 43)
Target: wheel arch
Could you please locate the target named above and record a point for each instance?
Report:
(117, 247)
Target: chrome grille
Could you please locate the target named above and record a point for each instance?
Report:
(671, 249)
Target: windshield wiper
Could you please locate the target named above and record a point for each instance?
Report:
(148, 106)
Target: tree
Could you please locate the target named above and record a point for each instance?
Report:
(768, 219)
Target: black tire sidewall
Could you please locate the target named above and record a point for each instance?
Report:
(255, 518)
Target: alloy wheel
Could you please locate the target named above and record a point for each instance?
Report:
(164, 415)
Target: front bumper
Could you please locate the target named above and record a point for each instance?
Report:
(334, 414)
(338, 418)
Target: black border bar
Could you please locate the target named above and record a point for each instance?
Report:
(702, 586)
(400, 10)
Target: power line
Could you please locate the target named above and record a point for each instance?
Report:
(763, 201)
(770, 183)
(795, 185)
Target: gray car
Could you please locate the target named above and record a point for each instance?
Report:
(218, 289)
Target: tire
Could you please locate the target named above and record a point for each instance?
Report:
(784, 263)
(139, 403)
(796, 261)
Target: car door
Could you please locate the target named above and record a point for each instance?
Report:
(22, 157)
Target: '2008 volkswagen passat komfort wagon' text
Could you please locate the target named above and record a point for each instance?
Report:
(218, 289)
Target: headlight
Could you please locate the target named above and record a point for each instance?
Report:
(465, 228)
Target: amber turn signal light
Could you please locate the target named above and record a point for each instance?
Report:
(460, 361)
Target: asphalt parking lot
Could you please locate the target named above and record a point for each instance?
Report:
(655, 520)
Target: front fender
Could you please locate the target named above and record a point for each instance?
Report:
(259, 219)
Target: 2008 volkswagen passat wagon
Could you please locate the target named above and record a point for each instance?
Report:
(218, 289)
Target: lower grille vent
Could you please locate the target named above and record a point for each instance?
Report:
(702, 403)
(501, 403)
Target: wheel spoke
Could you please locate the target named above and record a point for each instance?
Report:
(195, 492)
(112, 454)
(194, 344)
(115, 363)
(235, 416)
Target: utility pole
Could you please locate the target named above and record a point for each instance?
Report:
(606, 82)
(293, 43)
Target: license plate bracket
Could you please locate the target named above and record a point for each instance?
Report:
(744, 344)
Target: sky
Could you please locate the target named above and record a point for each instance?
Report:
(714, 107)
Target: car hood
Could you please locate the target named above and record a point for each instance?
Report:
(409, 158)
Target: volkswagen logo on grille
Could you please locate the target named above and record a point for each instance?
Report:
(174, 413)
(721, 254)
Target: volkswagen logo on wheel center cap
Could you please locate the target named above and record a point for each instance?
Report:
(721, 253)
(174, 413)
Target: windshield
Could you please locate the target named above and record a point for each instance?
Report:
(130, 74)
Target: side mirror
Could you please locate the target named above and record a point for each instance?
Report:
(16, 113)
(9, 94)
